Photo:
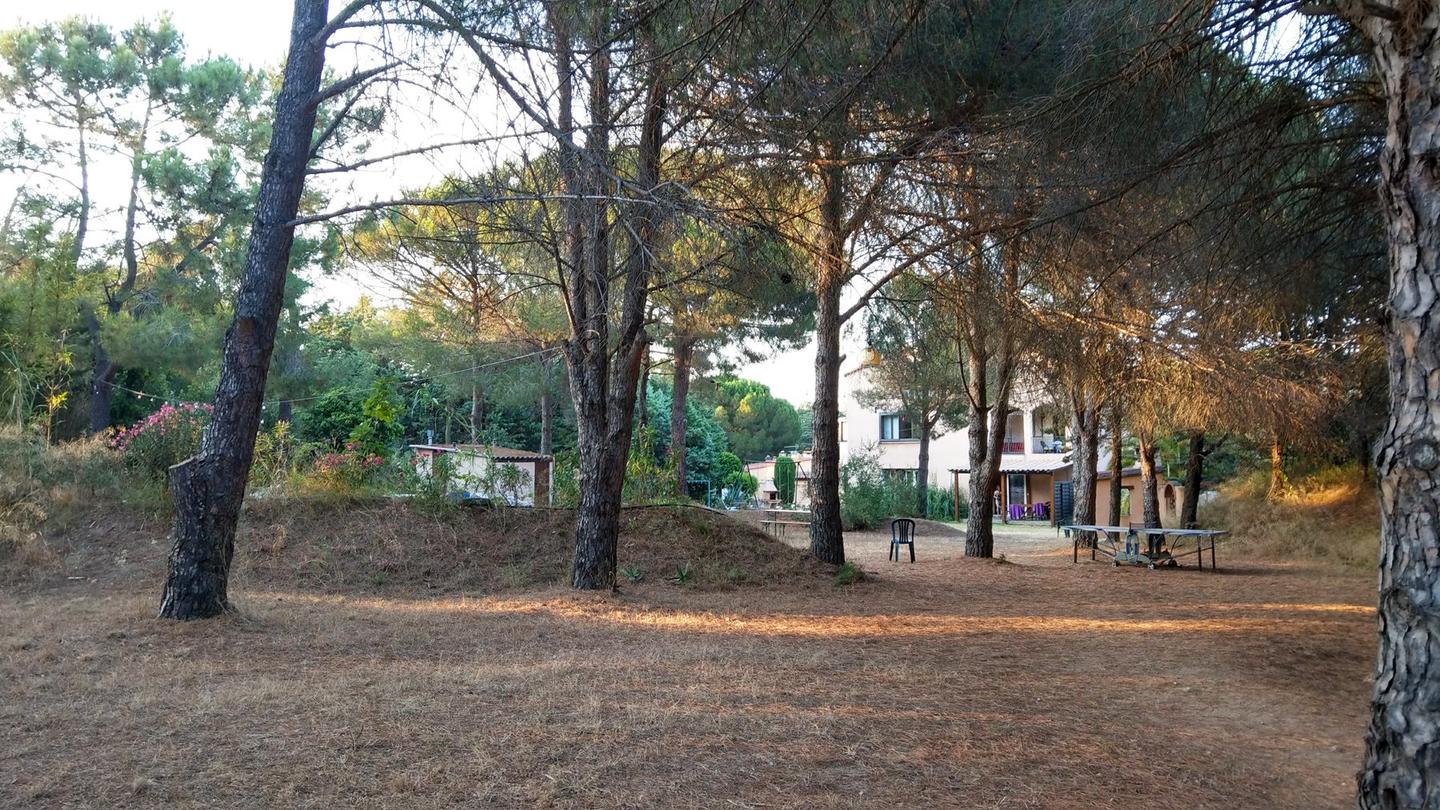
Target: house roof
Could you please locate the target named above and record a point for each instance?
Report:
(1125, 473)
(1023, 465)
(802, 466)
(493, 450)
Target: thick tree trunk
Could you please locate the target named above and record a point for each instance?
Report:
(1085, 416)
(1117, 468)
(987, 440)
(1149, 482)
(680, 394)
(1402, 756)
(209, 488)
(1277, 468)
(1194, 475)
(102, 378)
(827, 542)
(922, 471)
(287, 411)
(989, 334)
(604, 392)
(979, 531)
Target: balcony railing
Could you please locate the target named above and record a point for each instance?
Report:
(1040, 444)
(1013, 446)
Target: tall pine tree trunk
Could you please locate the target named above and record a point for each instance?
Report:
(827, 541)
(1085, 416)
(1402, 754)
(1149, 482)
(1194, 475)
(1277, 467)
(604, 391)
(979, 531)
(680, 395)
(1117, 469)
(922, 472)
(209, 488)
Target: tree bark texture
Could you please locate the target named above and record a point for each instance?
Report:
(1149, 482)
(922, 472)
(604, 388)
(1085, 416)
(1117, 468)
(209, 488)
(1194, 478)
(1401, 768)
(1277, 467)
(990, 341)
(680, 394)
(827, 542)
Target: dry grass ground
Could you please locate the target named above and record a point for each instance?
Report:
(447, 682)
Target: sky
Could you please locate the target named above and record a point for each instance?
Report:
(256, 33)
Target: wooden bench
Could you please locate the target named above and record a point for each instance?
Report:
(774, 521)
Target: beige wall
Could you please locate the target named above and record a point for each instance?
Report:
(1169, 506)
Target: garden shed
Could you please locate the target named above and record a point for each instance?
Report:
(517, 477)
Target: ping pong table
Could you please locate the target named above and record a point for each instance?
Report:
(1152, 548)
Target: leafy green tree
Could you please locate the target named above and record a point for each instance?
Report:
(916, 369)
(85, 95)
(785, 479)
(705, 440)
(758, 423)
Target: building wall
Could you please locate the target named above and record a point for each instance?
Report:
(951, 450)
(1169, 507)
(468, 468)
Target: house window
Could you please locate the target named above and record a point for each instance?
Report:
(900, 476)
(895, 427)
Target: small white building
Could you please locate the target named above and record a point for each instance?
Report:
(518, 477)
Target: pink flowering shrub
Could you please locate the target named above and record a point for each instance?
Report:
(164, 438)
(350, 469)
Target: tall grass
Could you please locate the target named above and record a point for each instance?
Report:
(1329, 515)
(44, 487)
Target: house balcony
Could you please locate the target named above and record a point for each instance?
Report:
(1013, 446)
(1048, 444)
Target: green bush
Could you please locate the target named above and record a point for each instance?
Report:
(867, 498)
(940, 505)
(647, 478)
(785, 479)
(848, 574)
(163, 439)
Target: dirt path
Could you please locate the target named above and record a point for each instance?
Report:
(947, 683)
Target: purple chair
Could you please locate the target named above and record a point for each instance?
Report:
(1017, 511)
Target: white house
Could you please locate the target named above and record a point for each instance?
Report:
(1035, 460)
(519, 477)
